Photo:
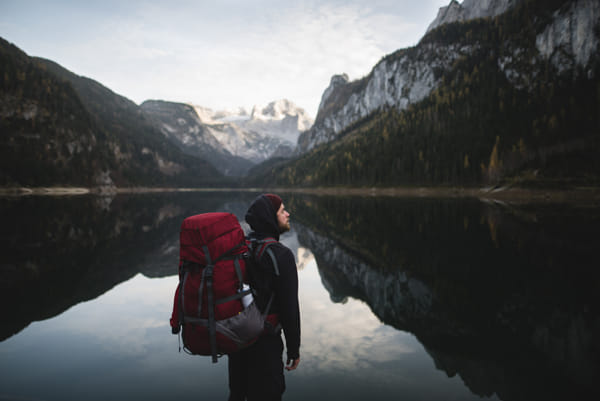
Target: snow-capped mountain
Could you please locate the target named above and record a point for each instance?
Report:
(266, 131)
(232, 140)
(183, 126)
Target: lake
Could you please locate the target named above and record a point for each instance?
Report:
(401, 298)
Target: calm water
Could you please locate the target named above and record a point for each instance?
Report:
(412, 299)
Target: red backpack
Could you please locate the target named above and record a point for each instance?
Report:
(208, 307)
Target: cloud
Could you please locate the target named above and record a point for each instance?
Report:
(220, 54)
(345, 337)
(296, 54)
(121, 321)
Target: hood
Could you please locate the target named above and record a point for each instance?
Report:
(262, 217)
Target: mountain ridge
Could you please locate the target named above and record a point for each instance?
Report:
(401, 78)
(474, 102)
(233, 140)
(63, 129)
(181, 124)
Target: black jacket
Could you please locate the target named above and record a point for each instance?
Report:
(262, 218)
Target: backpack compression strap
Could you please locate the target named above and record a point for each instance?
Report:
(212, 329)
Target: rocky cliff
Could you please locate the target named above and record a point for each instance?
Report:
(569, 38)
(470, 9)
(403, 78)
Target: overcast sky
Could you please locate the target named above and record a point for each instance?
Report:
(218, 53)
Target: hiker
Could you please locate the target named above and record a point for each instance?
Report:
(256, 373)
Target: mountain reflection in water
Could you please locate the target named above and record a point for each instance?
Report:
(505, 297)
(411, 298)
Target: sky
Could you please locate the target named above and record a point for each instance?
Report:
(220, 54)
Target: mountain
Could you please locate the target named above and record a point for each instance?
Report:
(182, 125)
(266, 131)
(470, 9)
(233, 141)
(59, 128)
(512, 96)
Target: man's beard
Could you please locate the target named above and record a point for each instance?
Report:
(284, 227)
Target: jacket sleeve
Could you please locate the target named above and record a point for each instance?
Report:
(287, 295)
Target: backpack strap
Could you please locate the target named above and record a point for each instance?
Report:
(274, 260)
(271, 321)
(241, 292)
(212, 327)
(258, 248)
(238, 272)
(263, 246)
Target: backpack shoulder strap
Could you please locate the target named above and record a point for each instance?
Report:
(263, 246)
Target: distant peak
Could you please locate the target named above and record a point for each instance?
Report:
(336, 80)
(339, 79)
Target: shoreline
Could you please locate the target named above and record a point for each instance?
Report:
(500, 194)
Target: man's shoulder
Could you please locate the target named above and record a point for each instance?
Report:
(280, 247)
(279, 250)
(283, 254)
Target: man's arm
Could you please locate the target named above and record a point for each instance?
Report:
(289, 306)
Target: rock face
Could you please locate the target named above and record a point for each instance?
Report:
(470, 9)
(569, 42)
(570, 37)
(401, 79)
(408, 76)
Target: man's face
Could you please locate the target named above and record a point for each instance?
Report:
(283, 219)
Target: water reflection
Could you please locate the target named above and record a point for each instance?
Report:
(400, 298)
(507, 298)
(57, 252)
(115, 347)
(348, 354)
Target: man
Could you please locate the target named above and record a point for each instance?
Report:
(256, 373)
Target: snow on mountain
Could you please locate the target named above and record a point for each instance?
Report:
(210, 116)
(182, 124)
(264, 132)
